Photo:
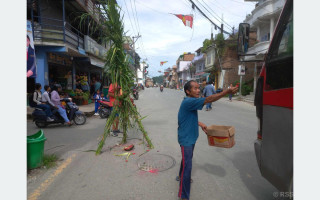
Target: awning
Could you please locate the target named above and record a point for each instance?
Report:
(206, 74)
(96, 62)
(200, 73)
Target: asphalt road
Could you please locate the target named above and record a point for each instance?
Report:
(217, 173)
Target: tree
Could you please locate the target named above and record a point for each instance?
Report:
(205, 44)
(158, 79)
(117, 66)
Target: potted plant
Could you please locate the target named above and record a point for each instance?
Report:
(85, 97)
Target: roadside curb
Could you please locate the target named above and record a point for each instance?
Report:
(87, 114)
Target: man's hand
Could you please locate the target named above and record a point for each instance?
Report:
(233, 90)
(203, 127)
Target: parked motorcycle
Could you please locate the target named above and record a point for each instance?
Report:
(105, 108)
(161, 88)
(135, 94)
(73, 114)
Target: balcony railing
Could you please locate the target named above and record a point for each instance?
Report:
(55, 31)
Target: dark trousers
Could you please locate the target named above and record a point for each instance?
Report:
(46, 109)
(185, 171)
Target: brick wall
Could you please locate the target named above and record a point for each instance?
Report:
(230, 63)
(188, 57)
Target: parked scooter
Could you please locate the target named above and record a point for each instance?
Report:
(135, 94)
(104, 109)
(73, 113)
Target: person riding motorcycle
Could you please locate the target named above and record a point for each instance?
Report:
(161, 88)
(55, 98)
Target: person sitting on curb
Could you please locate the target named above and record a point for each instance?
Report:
(188, 131)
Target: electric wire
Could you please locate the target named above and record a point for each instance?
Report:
(134, 18)
(208, 17)
(220, 20)
(225, 9)
(129, 17)
(141, 41)
(216, 14)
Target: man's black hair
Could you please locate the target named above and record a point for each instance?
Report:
(188, 86)
(37, 86)
(46, 87)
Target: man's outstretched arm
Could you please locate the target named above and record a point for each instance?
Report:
(216, 97)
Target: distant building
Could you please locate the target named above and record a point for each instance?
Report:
(199, 63)
(149, 82)
(183, 63)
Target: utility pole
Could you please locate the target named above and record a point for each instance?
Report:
(134, 55)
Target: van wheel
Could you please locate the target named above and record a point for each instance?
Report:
(41, 124)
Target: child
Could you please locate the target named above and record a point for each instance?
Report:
(97, 97)
(102, 96)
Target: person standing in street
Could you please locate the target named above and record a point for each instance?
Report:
(188, 131)
(97, 85)
(230, 95)
(209, 90)
(112, 98)
(96, 97)
(202, 86)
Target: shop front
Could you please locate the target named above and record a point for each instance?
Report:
(60, 70)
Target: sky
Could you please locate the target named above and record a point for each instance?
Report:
(164, 36)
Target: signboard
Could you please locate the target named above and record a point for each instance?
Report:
(31, 55)
(55, 58)
(93, 47)
(242, 70)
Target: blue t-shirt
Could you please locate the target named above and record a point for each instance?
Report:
(188, 131)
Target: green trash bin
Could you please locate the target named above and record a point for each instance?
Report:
(35, 149)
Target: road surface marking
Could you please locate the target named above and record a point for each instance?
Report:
(46, 183)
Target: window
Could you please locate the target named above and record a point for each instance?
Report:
(279, 63)
(209, 58)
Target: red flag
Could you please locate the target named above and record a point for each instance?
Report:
(162, 62)
(186, 19)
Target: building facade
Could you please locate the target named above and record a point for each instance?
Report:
(63, 48)
(262, 20)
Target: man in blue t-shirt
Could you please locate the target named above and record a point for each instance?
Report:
(188, 131)
(209, 90)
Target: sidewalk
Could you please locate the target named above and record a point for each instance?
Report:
(247, 98)
(87, 109)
